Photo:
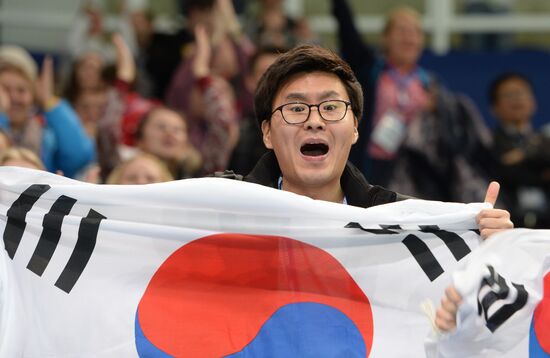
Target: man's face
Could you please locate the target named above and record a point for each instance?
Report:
(404, 40)
(314, 153)
(515, 103)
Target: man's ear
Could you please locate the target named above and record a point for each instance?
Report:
(355, 131)
(266, 131)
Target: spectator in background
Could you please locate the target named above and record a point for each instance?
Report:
(86, 74)
(163, 132)
(417, 136)
(250, 147)
(446, 152)
(140, 169)
(270, 25)
(86, 91)
(98, 107)
(55, 134)
(161, 54)
(95, 24)
(230, 47)
(202, 93)
(395, 84)
(168, 57)
(142, 18)
(108, 107)
(523, 154)
(21, 157)
(90, 107)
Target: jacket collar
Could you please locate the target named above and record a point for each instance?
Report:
(357, 190)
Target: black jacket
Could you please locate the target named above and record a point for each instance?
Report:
(357, 190)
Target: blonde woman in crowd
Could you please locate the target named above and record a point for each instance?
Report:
(20, 157)
(141, 169)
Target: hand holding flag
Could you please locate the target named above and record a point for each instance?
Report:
(493, 220)
(445, 318)
(490, 221)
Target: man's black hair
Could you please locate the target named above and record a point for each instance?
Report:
(304, 59)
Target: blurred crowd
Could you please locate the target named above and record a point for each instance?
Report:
(134, 105)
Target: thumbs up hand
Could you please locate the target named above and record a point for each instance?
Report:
(493, 220)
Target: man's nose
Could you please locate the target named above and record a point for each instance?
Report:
(315, 120)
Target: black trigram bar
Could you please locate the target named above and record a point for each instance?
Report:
(453, 241)
(506, 311)
(393, 226)
(422, 254)
(17, 213)
(85, 244)
(383, 231)
(50, 234)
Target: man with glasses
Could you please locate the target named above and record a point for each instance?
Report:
(308, 104)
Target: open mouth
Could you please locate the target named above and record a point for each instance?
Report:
(314, 149)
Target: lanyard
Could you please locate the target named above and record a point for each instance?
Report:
(402, 81)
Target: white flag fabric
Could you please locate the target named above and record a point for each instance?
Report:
(505, 285)
(216, 267)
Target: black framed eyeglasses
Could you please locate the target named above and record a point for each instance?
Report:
(298, 112)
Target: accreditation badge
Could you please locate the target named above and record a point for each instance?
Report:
(390, 132)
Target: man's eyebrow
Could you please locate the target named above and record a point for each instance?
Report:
(297, 96)
(329, 94)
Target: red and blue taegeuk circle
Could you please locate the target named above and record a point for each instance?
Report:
(248, 295)
(539, 337)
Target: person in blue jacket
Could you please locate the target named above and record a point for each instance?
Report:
(35, 119)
